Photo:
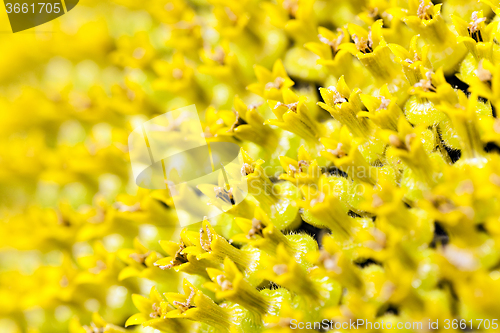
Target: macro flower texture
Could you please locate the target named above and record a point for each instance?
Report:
(368, 145)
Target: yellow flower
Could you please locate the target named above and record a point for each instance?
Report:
(275, 199)
(271, 83)
(426, 19)
(99, 268)
(285, 271)
(230, 284)
(293, 116)
(183, 262)
(98, 324)
(135, 52)
(141, 263)
(261, 233)
(223, 64)
(155, 312)
(371, 49)
(338, 61)
(476, 35)
(304, 171)
(196, 306)
(176, 76)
